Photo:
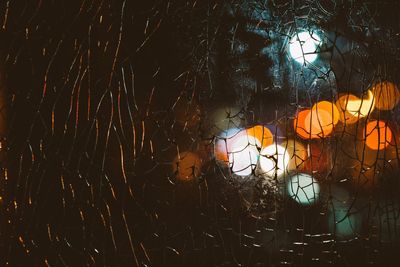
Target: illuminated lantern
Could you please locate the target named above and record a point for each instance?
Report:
(352, 108)
(243, 154)
(303, 188)
(262, 134)
(377, 135)
(187, 166)
(274, 160)
(303, 47)
(297, 154)
(386, 94)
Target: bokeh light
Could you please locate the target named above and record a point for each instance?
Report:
(377, 135)
(187, 166)
(297, 154)
(223, 142)
(223, 119)
(344, 221)
(317, 122)
(303, 188)
(352, 108)
(330, 108)
(243, 154)
(262, 134)
(274, 160)
(386, 94)
(303, 47)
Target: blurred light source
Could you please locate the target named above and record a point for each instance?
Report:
(303, 47)
(330, 108)
(353, 108)
(344, 221)
(243, 154)
(297, 154)
(187, 166)
(386, 94)
(274, 160)
(317, 122)
(377, 135)
(303, 188)
(262, 134)
(224, 142)
(344, 224)
(225, 118)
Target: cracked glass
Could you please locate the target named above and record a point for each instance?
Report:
(199, 133)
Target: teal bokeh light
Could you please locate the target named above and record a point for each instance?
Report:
(303, 188)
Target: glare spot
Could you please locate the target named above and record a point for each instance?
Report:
(303, 188)
(303, 47)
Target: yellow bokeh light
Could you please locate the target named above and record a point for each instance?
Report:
(386, 94)
(353, 108)
(297, 154)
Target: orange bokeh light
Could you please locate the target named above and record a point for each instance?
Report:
(387, 95)
(377, 135)
(330, 108)
(299, 124)
(317, 122)
(262, 134)
(187, 166)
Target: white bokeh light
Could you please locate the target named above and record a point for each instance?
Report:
(303, 46)
(243, 154)
(274, 160)
(303, 188)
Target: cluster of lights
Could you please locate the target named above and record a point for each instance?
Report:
(320, 121)
(254, 150)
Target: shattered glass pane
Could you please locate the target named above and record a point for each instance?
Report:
(199, 133)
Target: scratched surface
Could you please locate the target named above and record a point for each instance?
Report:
(101, 101)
